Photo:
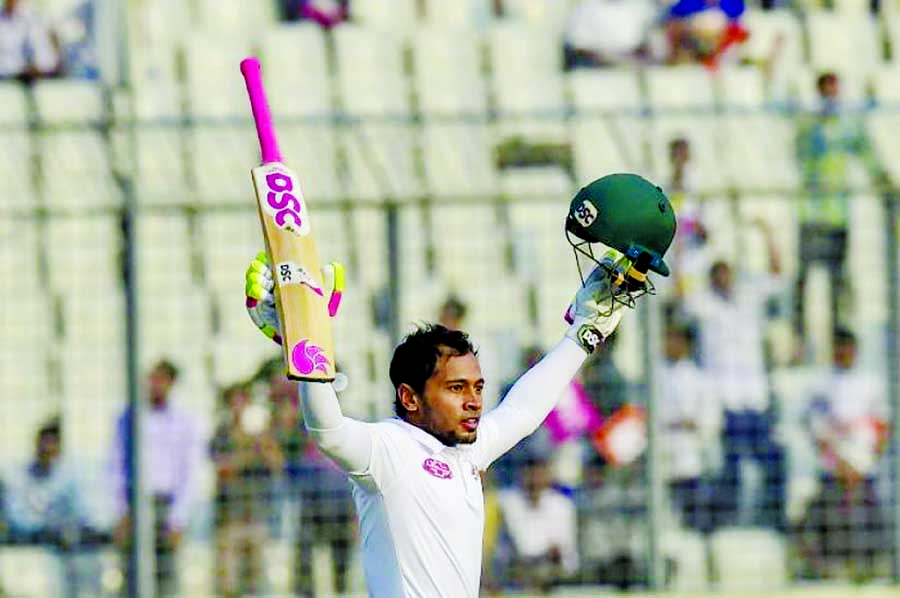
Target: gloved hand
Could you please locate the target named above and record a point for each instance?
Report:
(594, 314)
(260, 291)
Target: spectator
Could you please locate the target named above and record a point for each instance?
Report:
(731, 318)
(323, 12)
(542, 528)
(316, 487)
(689, 250)
(827, 143)
(247, 458)
(27, 51)
(171, 453)
(608, 33)
(690, 420)
(704, 30)
(45, 504)
(849, 418)
(452, 313)
(77, 40)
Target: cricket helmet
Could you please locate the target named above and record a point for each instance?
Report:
(625, 212)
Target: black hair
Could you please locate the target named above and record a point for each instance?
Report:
(416, 358)
(824, 79)
(168, 368)
(51, 428)
(844, 335)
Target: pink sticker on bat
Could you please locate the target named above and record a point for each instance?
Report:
(308, 358)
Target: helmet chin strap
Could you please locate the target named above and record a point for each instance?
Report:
(628, 276)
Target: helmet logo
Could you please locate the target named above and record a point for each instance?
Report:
(585, 214)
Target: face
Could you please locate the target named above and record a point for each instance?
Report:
(676, 345)
(160, 384)
(537, 478)
(450, 407)
(830, 88)
(679, 153)
(844, 354)
(722, 278)
(48, 448)
(238, 400)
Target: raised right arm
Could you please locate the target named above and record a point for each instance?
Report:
(347, 441)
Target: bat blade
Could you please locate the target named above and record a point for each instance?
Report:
(299, 286)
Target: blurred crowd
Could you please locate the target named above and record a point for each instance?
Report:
(570, 504)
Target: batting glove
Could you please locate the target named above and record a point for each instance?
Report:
(593, 314)
(260, 291)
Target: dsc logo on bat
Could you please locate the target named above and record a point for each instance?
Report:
(283, 199)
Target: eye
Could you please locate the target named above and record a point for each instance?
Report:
(479, 388)
(456, 387)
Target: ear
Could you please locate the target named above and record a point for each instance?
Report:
(408, 398)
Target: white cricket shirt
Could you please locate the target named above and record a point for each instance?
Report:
(419, 502)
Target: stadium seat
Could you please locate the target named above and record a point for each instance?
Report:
(310, 150)
(775, 33)
(468, 244)
(29, 571)
(881, 127)
(679, 87)
(688, 551)
(742, 88)
(379, 153)
(21, 276)
(196, 568)
(84, 255)
(370, 76)
(469, 14)
(16, 163)
(458, 160)
(74, 156)
(447, 74)
(886, 86)
(228, 241)
(155, 81)
(294, 59)
(847, 42)
(759, 152)
(364, 242)
(868, 245)
(222, 141)
(235, 17)
(604, 145)
(780, 213)
(24, 381)
(551, 16)
(527, 82)
(767, 569)
(395, 17)
(602, 90)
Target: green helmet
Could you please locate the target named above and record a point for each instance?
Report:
(628, 213)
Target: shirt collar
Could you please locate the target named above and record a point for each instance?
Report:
(421, 436)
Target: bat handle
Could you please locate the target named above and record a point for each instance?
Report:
(268, 144)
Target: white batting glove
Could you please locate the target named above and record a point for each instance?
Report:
(593, 314)
(260, 293)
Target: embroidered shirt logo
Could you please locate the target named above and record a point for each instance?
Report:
(438, 469)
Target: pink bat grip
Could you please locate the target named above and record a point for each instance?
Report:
(268, 144)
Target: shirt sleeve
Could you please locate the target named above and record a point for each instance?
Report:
(348, 442)
(183, 493)
(528, 402)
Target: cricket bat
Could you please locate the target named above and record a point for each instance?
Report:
(299, 290)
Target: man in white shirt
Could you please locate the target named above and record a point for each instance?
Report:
(542, 526)
(417, 477)
(731, 321)
(848, 418)
(26, 48)
(691, 419)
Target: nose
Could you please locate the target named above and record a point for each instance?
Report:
(472, 402)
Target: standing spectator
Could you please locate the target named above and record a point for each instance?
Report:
(45, 504)
(327, 13)
(689, 249)
(690, 420)
(731, 320)
(317, 488)
(452, 313)
(827, 143)
(247, 458)
(849, 418)
(77, 38)
(27, 50)
(603, 33)
(171, 453)
(542, 527)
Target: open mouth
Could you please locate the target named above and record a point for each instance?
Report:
(470, 424)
